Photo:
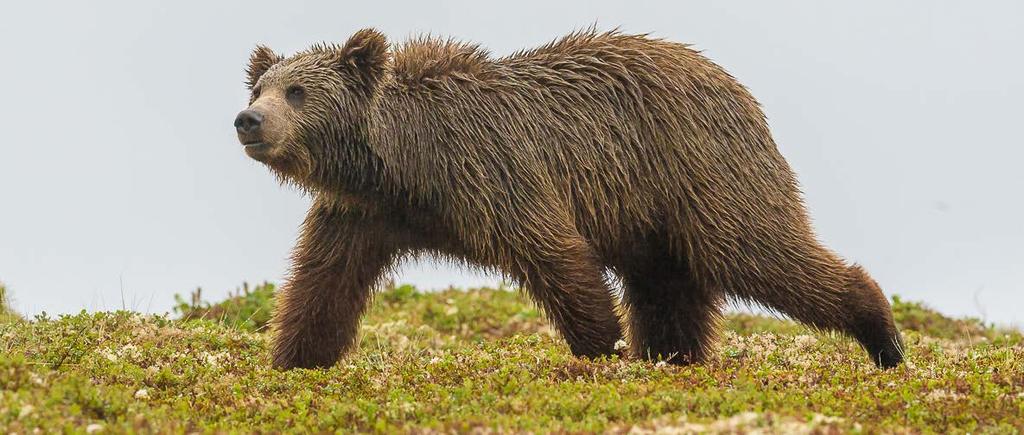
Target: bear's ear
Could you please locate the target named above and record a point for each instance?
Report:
(260, 61)
(367, 52)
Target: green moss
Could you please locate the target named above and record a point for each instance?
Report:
(460, 360)
(918, 317)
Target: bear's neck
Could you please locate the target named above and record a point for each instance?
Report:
(360, 174)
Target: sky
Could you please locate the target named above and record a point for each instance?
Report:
(122, 183)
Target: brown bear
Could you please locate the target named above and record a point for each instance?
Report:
(596, 153)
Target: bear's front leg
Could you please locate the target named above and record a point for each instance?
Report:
(568, 283)
(340, 257)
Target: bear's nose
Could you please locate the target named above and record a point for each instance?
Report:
(248, 122)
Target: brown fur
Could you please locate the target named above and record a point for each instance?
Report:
(597, 152)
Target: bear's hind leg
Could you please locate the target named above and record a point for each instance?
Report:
(669, 316)
(830, 295)
(870, 319)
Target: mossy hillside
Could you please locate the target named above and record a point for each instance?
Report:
(460, 360)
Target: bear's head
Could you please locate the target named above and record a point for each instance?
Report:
(306, 118)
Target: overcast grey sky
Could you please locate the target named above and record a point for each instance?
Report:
(121, 180)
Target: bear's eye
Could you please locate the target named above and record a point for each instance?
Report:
(295, 94)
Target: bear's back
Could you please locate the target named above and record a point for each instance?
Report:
(623, 129)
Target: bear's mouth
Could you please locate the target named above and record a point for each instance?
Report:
(256, 144)
(254, 149)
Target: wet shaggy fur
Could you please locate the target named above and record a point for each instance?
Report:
(599, 152)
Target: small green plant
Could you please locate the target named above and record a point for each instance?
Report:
(246, 308)
(7, 314)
